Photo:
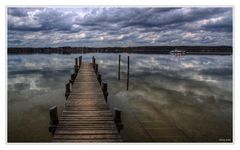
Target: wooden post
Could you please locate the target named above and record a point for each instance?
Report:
(67, 90)
(53, 115)
(96, 68)
(93, 61)
(119, 65)
(71, 81)
(118, 119)
(76, 61)
(99, 78)
(75, 69)
(117, 115)
(80, 61)
(128, 74)
(53, 119)
(73, 76)
(104, 89)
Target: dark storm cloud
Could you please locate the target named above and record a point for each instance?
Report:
(221, 26)
(18, 12)
(119, 26)
(176, 16)
(41, 20)
(221, 23)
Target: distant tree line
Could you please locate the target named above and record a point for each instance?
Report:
(141, 49)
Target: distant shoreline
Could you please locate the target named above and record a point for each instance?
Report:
(190, 50)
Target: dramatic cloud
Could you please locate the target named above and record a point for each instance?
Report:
(44, 27)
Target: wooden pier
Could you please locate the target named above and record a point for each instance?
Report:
(86, 116)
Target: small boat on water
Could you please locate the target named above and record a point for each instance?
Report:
(176, 52)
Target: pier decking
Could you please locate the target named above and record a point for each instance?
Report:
(86, 116)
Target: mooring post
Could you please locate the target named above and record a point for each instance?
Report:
(73, 76)
(71, 82)
(96, 68)
(67, 90)
(99, 78)
(80, 61)
(119, 65)
(53, 119)
(128, 74)
(118, 119)
(75, 69)
(104, 89)
(76, 61)
(93, 61)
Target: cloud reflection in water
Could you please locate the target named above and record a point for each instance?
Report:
(191, 95)
(192, 92)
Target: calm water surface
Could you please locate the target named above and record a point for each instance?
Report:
(187, 98)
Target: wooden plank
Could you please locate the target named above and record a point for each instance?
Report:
(86, 96)
(86, 119)
(87, 108)
(85, 91)
(87, 141)
(74, 128)
(83, 126)
(88, 113)
(85, 132)
(86, 116)
(99, 99)
(84, 137)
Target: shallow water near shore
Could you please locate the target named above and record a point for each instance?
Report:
(170, 98)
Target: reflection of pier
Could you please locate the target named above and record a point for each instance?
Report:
(86, 116)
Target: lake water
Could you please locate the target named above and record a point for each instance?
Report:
(186, 98)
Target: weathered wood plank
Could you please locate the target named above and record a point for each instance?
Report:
(90, 136)
(85, 100)
(83, 126)
(85, 132)
(86, 96)
(88, 140)
(86, 108)
(86, 119)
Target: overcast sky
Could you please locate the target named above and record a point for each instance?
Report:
(98, 27)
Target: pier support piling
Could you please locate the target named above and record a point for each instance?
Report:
(99, 78)
(128, 73)
(105, 91)
(80, 61)
(67, 90)
(96, 68)
(73, 76)
(93, 61)
(76, 69)
(119, 66)
(118, 119)
(76, 61)
(71, 82)
(53, 119)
